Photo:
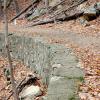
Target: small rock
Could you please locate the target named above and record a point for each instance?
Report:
(84, 21)
(90, 13)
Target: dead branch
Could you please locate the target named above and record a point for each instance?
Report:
(23, 11)
(16, 6)
(16, 87)
(10, 1)
(56, 14)
(23, 83)
(74, 16)
(67, 9)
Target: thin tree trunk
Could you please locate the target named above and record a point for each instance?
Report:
(47, 5)
(1, 8)
(16, 6)
(8, 52)
(9, 3)
(23, 11)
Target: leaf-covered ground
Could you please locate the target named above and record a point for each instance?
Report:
(20, 73)
(89, 54)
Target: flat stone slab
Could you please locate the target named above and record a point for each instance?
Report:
(62, 89)
(65, 74)
(67, 60)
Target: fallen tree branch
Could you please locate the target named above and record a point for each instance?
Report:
(23, 11)
(10, 1)
(58, 19)
(16, 6)
(16, 87)
(50, 9)
(23, 83)
(64, 10)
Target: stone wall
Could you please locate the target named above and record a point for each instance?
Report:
(33, 52)
(54, 62)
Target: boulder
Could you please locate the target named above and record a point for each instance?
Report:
(91, 11)
(97, 6)
(30, 91)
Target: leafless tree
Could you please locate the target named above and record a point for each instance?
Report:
(8, 52)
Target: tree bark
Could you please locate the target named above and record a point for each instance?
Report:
(16, 6)
(1, 8)
(73, 16)
(23, 11)
(68, 9)
(47, 5)
(8, 52)
(9, 3)
(0, 5)
(18, 87)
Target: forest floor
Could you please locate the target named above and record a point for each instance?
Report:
(84, 41)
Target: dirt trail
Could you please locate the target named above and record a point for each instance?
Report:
(59, 34)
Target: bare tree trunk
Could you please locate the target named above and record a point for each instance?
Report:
(0, 8)
(9, 3)
(8, 52)
(0, 5)
(16, 6)
(47, 5)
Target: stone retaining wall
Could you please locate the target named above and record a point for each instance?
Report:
(54, 62)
